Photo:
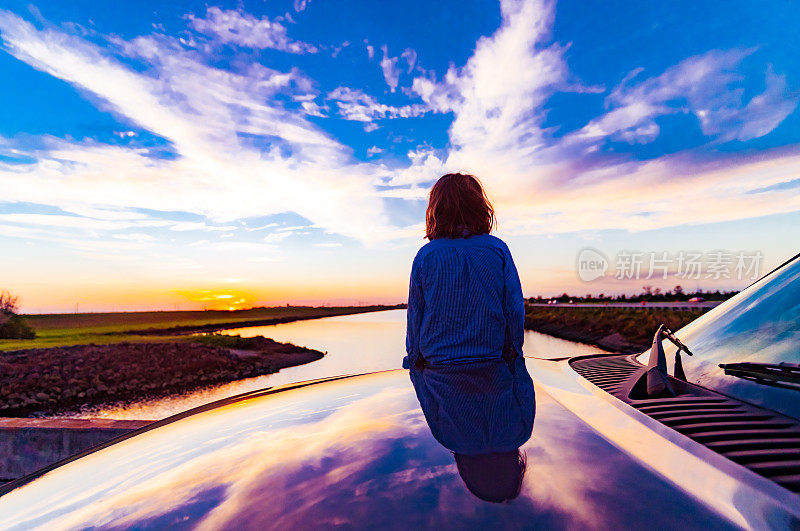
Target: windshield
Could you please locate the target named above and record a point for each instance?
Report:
(760, 325)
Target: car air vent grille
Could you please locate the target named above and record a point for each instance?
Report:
(763, 441)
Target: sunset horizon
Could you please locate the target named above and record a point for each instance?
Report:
(184, 156)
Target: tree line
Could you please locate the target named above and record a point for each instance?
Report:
(648, 294)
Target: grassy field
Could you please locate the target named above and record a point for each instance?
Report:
(104, 328)
(616, 329)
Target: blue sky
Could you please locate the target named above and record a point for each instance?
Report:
(157, 155)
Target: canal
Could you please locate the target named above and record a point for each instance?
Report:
(354, 344)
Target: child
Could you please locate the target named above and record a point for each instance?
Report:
(464, 341)
(465, 301)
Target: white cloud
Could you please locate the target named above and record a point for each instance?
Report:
(391, 73)
(262, 227)
(239, 153)
(374, 150)
(632, 122)
(242, 29)
(203, 112)
(411, 58)
(543, 184)
(300, 5)
(426, 166)
(764, 112)
(183, 226)
(497, 96)
(65, 222)
(135, 237)
(276, 237)
(312, 109)
(705, 85)
(356, 105)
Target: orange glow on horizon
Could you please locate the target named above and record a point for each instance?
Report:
(220, 299)
(294, 283)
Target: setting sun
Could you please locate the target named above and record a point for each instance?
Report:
(223, 299)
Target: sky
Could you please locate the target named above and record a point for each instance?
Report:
(163, 155)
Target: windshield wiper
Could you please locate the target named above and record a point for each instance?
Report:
(657, 379)
(669, 334)
(678, 371)
(786, 375)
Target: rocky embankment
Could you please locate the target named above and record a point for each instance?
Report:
(626, 330)
(48, 381)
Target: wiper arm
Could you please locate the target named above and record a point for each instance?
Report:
(669, 334)
(786, 375)
(678, 371)
(657, 378)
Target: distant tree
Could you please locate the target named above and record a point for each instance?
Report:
(12, 326)
(9, 304)
(678, 290)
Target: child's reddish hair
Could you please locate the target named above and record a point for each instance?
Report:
(458, 206)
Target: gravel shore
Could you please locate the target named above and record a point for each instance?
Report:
(50, 381)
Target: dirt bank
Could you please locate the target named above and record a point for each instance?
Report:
(626, 330)
(48, 381)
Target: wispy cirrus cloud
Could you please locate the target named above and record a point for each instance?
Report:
(544, 183)
(242, 29)
(411, 58)
(355, 104)
(65, 221)
(705, 85)
(300, 5)
(391, 72)
(239, 152)
(497, 96)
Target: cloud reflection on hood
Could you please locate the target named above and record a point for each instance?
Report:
(351, 453)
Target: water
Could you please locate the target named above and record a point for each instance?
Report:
(354, 344)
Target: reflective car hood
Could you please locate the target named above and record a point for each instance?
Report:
(354, 452)
(762, 325)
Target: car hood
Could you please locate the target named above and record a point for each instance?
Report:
(352, 452)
